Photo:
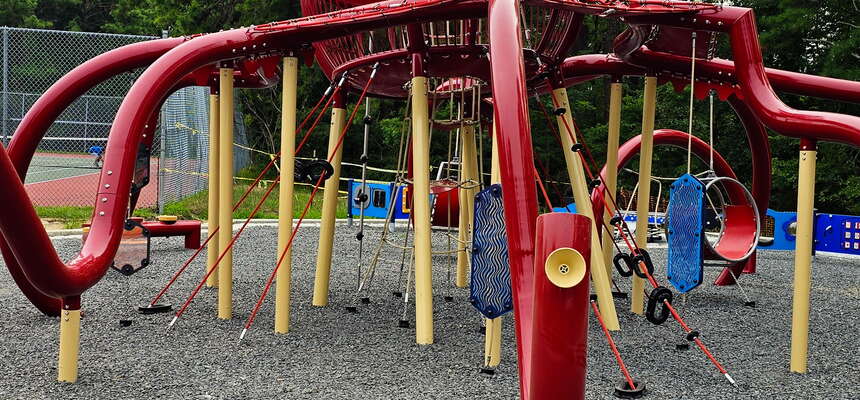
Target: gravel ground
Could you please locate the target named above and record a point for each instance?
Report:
(331, 354)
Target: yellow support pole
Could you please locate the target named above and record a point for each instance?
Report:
(212, 247)
(329, 208)
(285, 193)
(576, 173)
(468, 173)
(493, 326)
(649, 108)
(421, 212)
(225, 194)
(70, 344)
(803, 257)
(611, 177)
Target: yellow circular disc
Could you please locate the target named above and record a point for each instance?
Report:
(565, 267)
(167, 218)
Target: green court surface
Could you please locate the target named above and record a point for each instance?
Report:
(48, 167)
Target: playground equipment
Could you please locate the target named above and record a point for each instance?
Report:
(417, 46)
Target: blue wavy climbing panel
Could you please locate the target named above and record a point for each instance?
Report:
(685, 215)
(490, 289)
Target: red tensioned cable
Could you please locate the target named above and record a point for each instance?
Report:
(245, 195)
(612, 346)
(542, 189)
(224, 253)
(307, 207)
(631, 244)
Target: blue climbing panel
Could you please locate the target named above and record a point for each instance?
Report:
(490, 289)
(685, 215)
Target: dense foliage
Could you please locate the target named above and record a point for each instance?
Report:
(822, 40)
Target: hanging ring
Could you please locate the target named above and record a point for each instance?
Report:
(659, 296)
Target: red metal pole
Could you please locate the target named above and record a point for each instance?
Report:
(560, 326)
(516, 162)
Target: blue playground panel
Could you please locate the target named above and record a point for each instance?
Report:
(685, 212)
(837, 233)
(782, 239)
(660, 220)
(570, 208)
(834, 233)
(379, 199)
(490, 289)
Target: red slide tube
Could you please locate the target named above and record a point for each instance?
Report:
(517, 163)
(560, 327)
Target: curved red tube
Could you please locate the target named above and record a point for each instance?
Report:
(752, 77)
(517, 162)
(26, 238)
(701, 149)
(667, 137)
(45, 111)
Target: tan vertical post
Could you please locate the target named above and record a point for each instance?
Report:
(611, 177)
(212, 247)
(649, 108)
(468, 172)
(329, 208)
(285, 193)
(493, 329)
(421, 211)
(803, 256)
(579, 183)
(70, 343)
(225, 194)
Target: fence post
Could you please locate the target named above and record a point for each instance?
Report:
(5, 84)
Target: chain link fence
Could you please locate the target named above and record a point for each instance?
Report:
(184, 144)
(65, 169)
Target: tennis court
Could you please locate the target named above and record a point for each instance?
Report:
(66, 179)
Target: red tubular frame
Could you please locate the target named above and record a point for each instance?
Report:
(666, 137)
(517, 163)
(753, 81)
(28, 241)
(560, 327)
(33, 127)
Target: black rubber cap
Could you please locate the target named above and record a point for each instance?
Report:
(619, 295)
(352, 309)
(750, 304)
(365, 300)
(593, 296)
(449, 298)
(125, 322)
(693, 335)
(682, 346)
(559, 111)
(624, 391)
(368, 120)
(577, 147)
(403, 323)
(397, 294)
(155, 309)
(488, 371)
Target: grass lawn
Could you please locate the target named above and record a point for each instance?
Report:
(195, 207)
